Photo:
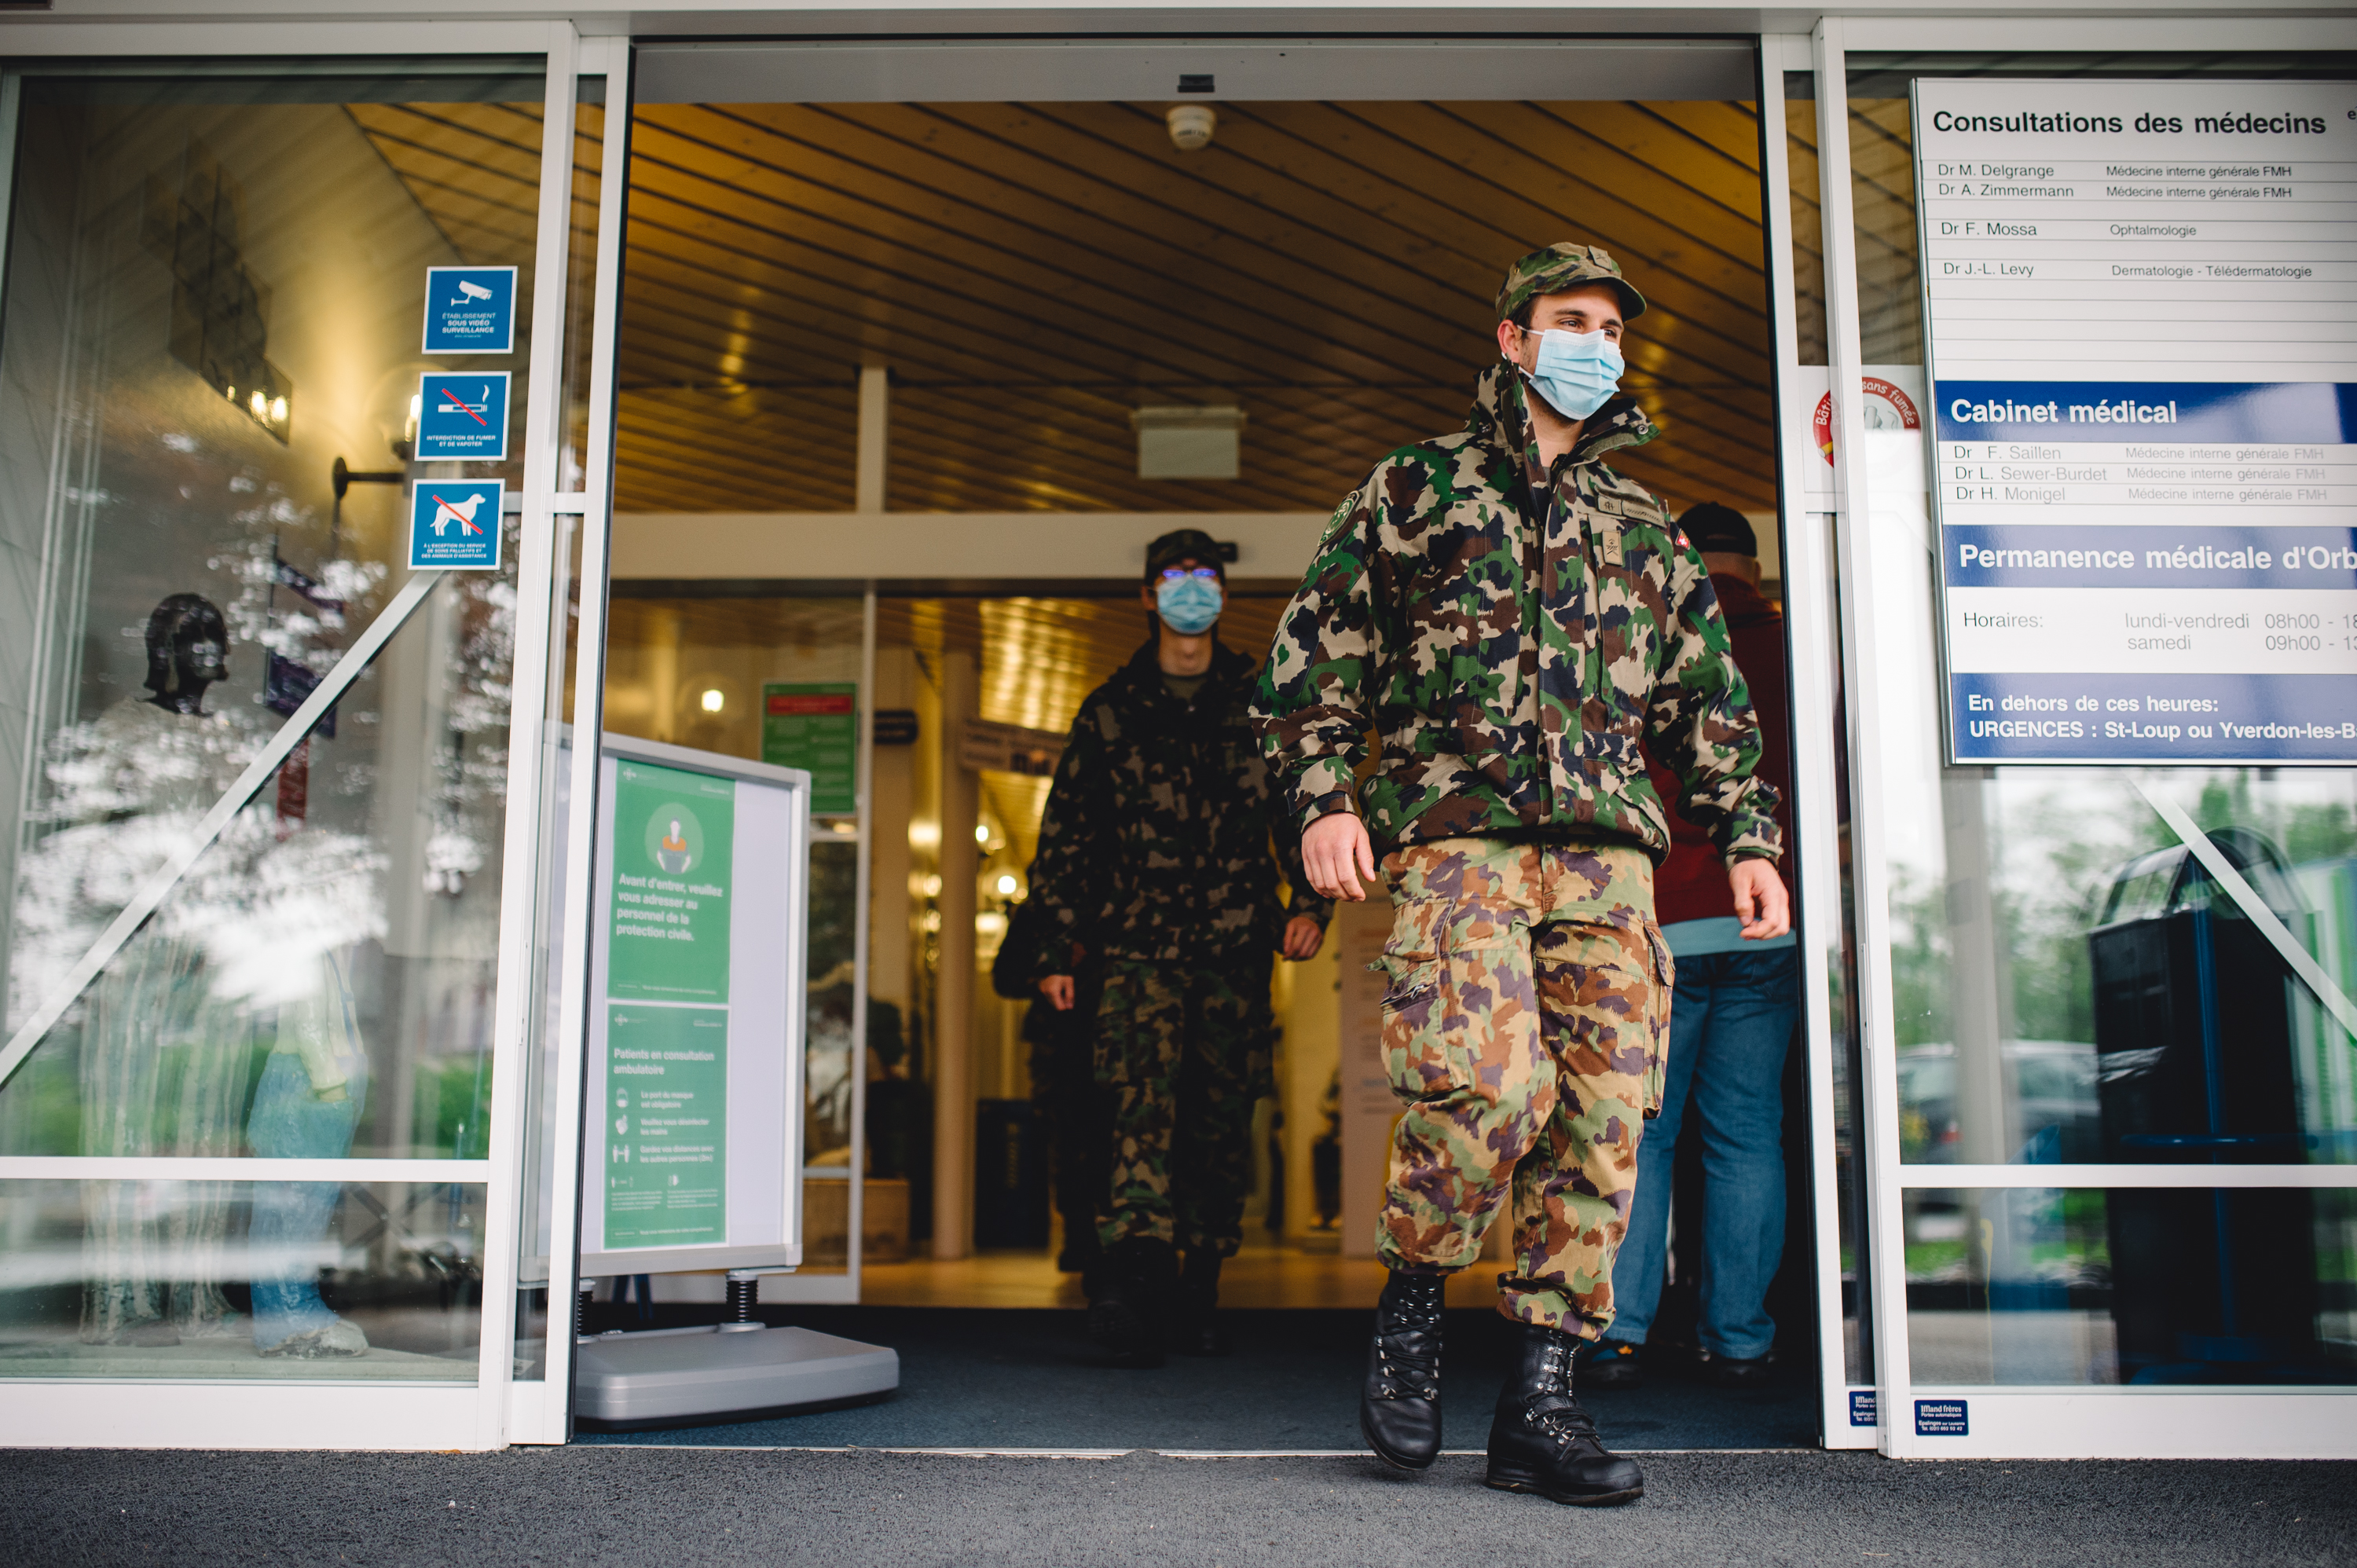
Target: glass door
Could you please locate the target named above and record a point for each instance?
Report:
(281, 435)
(1828, 1037)
(2103, 850)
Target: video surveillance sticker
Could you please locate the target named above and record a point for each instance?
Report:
(470, 310)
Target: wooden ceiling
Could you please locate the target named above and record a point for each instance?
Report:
(1882, 156)
(1031, 273)
(474, 169)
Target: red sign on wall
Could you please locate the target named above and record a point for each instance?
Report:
(806, 704)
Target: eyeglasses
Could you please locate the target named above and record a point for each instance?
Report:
(1176, 573)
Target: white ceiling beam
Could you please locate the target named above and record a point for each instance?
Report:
(720, 546)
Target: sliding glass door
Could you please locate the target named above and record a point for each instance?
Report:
(282, 412)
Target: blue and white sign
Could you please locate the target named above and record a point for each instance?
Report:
(462, 416)
(470, 310)
(453, 525)
(2144, 402)
(1943, 1418)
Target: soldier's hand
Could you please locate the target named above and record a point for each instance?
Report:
(1761, 902)
(1058, 989)
(1303, 938)
(1335, 854)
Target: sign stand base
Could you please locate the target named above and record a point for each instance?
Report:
(635, 1381)
(706, 1375)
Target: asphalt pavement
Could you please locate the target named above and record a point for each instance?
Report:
(674, 1507)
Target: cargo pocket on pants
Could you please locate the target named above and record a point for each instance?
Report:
(1421, 1056)
(1657, 1019)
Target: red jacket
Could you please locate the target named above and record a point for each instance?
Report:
(1692, 884)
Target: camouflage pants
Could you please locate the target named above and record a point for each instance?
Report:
(1525, 1025)
(1184, 1054)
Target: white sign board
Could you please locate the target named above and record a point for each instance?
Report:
(693, 1155)
(2139, 299)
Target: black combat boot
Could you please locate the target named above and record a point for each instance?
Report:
(1128, 1315)
(1399, 1410)
(1542, 1442)
(1196, 1331)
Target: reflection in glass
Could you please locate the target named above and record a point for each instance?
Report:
(1807, 216)
(2069, 985)
(345, 928)
(2203, 1031)
(581, 279)
(212, 321)
(2072, 985)
(368, 1280)
(2071, 1286)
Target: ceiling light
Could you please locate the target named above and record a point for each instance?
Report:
(981, 833)
(713, 700)
(1188, 441)
(1007, 884)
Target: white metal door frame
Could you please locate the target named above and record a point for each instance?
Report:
(346, 1414)
(1809, 619)
(2062, 1421)
(541, 1411)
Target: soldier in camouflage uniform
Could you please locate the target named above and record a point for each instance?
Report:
(1156, 858)
(1514, 618)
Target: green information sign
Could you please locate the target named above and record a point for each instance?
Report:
(814, 726)
(667, 1126)
(673, 836)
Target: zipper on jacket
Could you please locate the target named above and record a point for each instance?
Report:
(1557, 473)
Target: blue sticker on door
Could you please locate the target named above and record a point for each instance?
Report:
(1942, 1418)
(454, 524)
(469, 310)
(462, 416)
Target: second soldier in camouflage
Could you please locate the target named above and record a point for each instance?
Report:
(1159, 855)
(1514, 620)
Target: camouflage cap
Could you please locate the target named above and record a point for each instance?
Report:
(1563, 266)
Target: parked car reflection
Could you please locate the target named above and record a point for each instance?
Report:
(2051, 1113)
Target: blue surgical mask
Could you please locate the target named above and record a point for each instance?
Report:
(1188, 604)
(1577, 372)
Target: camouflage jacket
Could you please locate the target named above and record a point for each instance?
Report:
(1513, 649)
(1158, 840)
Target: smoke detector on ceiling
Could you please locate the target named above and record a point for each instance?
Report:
(1191, 126)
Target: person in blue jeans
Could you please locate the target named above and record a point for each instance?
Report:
(306, 1108)
(1730, 1023)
